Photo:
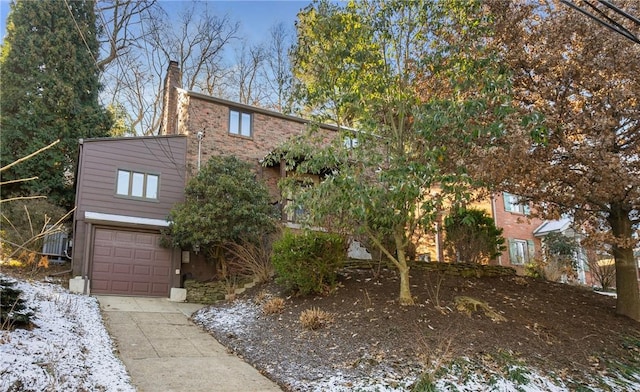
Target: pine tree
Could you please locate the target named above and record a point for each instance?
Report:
(50, 86)
(14, 312)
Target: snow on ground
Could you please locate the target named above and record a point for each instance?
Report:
(69, 350)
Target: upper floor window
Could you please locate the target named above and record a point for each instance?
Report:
(240, 123)
(513, 204)
(137, 184)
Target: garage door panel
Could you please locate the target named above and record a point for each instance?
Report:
(130, 263)
(101, 267)
(126, 237)
(104, 235)
(101, 250)
(160, 271)
(120, 287)
(159, 287)
(145, 240)
(140, 288)
(98, 285)
(144, 254)
(143, 270)
(125, 253)
(121, 268)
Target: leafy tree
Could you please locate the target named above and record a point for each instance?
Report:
(359, 66)
(50, 91)
(224, 203)
(472, 236)
(559, 256)
(574, 142)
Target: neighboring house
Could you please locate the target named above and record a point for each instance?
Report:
(127, 186)
(518, 226)
(513, 217)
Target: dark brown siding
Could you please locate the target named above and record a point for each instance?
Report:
(100, 160)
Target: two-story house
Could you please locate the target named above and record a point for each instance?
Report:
(127, 186)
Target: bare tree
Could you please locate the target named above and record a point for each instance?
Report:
(277, 71)
(246, 74)
(195, 38)
(197, 42)
(120, 23)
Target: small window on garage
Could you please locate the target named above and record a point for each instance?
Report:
(137, 184)
(240, 123)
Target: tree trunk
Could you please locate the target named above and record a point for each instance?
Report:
(405, 288)
(628, 303)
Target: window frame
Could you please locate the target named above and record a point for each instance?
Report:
(239, 125)
(528, 248)
(132, 185)
(511, 204)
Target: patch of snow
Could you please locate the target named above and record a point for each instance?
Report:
(606, 293)
(235, 318)
(69, 349)
(230, 319)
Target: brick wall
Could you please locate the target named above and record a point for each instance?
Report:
(198, 113)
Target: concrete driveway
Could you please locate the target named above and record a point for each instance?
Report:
(164, 351)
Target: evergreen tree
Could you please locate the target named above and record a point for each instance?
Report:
(50, 87)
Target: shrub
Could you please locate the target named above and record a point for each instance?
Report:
(273, 306)
(224, 203)
(13, 311)
(308, 262)
(253, 259)
(472, 236)
(315, 318)
(26, 222)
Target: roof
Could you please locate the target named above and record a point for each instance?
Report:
(257, 109)
(550, 226)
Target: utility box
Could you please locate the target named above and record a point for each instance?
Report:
(76, 285)
(178, 295)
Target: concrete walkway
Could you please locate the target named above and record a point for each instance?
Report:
(164, 351)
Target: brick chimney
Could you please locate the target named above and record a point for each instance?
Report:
(172, 82)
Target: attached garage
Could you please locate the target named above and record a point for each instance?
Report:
(129, 262)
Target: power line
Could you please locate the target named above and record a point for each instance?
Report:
(86, 44)
(605, 20)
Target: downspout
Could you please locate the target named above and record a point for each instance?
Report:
(87, 253)
(495, 220)
(200, 136)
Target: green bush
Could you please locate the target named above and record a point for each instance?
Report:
(308, 262)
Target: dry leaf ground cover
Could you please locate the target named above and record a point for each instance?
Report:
(465, 333)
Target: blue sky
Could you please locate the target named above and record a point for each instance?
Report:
(255, 16)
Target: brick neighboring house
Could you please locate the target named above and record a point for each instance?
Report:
(512, 217)
(117, 234)
(519, 229)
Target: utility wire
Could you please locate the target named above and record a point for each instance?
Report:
(606, 21)
(86, 44)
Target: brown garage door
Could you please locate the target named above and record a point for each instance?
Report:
(130, 263)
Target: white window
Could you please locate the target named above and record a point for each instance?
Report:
(521, 251)
(240, 123)
(350, 142)
(513, 204)
(137, 184)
